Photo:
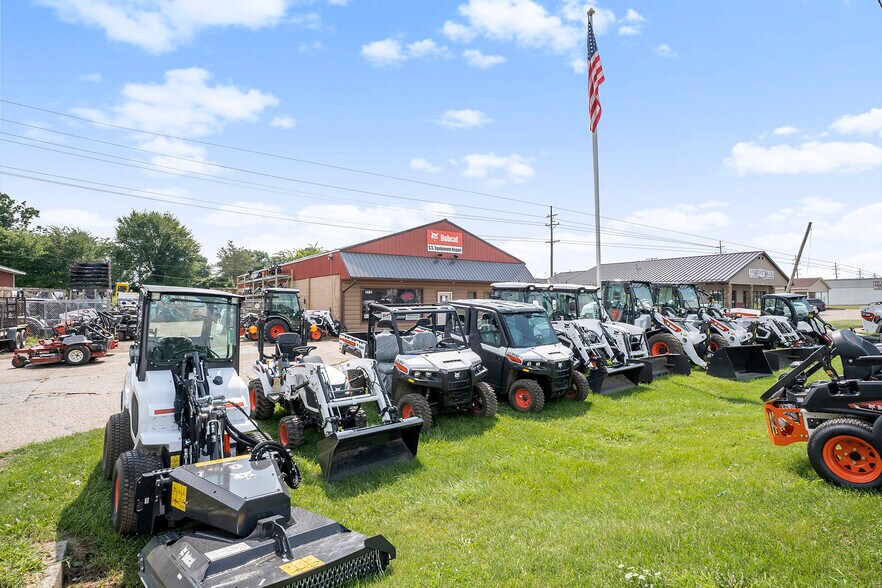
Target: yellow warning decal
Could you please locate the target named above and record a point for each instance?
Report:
(299, 566)
(205, 463)
(179, 496)
(174, 460)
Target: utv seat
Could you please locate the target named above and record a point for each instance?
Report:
(385, 352)
(419, 342)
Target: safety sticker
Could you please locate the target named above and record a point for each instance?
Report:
(179, 496)
(174, 460)
(302, 565)
(234, 458)
(226, 551)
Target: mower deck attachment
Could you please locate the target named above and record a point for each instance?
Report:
(351, 451)
(309, 550)
(656, 366)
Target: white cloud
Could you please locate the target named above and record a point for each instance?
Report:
(391, 52)
(283, 122)
(679, 217)
(463, 119)
(867, 123)
(178, 157)
(810, 158)
(575, 11)
(634, 16)
(76, 218)
(786, 130)
(185, 104)
(458, 32)
(633, 23)
(310, 47)
(629, 30)
(94, 77)
(42, 131)
(664, 50)
(477, 59)
(497, 170)
(338, 2)
(159, 26)
(420, 164)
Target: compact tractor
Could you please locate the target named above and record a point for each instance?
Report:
(602, 350)
(424, 361)
(524, 359)
(281, 313)
(839, 418)
(326, 325)
(331, 399)
(184, 448)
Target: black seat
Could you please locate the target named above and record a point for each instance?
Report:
(850, 346)
(287, 344)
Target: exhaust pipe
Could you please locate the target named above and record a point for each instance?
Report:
(353, 451)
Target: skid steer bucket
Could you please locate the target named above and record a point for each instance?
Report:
(656, 366)
(353, 451)
(619, 379)
(739, 363)
(784, 356)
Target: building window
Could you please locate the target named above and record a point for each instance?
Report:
(471, 295)
(410, 296)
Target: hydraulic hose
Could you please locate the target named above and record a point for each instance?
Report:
(282, 458)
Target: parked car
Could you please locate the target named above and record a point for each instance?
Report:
(818, 303)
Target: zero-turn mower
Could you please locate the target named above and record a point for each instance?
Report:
(838, 417)
(184, 449)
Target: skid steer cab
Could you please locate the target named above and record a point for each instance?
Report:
(184, 448)
(524, 358)
(331, 399)
(424, 361)
(838, 417)
(602, 350)
(797, 310)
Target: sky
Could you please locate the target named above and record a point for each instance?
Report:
(281, 123)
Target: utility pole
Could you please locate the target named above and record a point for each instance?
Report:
(808, 230)
(836, 270)
(551, 224)
(721, 247)
(860, 275)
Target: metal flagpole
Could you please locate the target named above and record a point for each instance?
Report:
(597, 272)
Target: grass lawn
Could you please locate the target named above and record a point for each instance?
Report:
(677, 478)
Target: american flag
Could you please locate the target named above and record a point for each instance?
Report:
(595, 78)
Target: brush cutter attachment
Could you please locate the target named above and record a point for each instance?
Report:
(349, 452)
(617, 379)
(742, 362)
(656, 366)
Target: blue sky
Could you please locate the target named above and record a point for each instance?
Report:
(733, 122)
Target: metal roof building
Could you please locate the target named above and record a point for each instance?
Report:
(431, 263)
(737, 279)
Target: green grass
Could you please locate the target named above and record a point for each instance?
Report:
(678, 478)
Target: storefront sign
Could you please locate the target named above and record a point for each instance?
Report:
(761, 274)
(877, 284)
(444, 241)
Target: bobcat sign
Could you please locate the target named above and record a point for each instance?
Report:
(444, 241)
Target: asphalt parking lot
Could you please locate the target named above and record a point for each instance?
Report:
(50, 401)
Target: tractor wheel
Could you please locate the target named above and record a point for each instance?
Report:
(716, 343)
(316, 335)
(579, 389)
(262, 408)
(19, 360)
(117, 440)
(415, 404)
(250, 335)
(483, 400)
(77, 355)
(259, 436)
(274, 328)
(291, 433)
(19, 340)
(126, 472)
(526, 396)
(662, 343)
(841, 451)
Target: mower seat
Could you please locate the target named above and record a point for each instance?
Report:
(75, 340)
(287, 344)
(312, 359)
(851, 346)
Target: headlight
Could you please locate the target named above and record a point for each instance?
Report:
(417, 374)
(478, 367)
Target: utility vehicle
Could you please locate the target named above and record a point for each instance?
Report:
(184, 447)
(525, 361)
(423, 361)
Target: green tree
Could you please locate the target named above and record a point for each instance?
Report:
(47, 253)
(291, 254)
(233, 261)
(155, 248)
(14, 215)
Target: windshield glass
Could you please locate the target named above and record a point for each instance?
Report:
(589, 306)
(285, 303)
(689, 296)
(803, 308)
(642, 297)
(514, 296)
(177, 325)
(530, 329)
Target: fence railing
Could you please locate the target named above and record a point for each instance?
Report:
(45, 314)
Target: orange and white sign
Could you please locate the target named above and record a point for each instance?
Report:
(444, 241)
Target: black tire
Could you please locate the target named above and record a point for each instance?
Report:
(810, 339)
(841, 451)
(716, 343)
(117, 440)
(128, 469)
(19, 360)
(262, 408)
(579, 388)
(291, 434)
(259, 436)
(415, 404)
(484, 401)
(667, 341)
(19, 340)
(272, 329)
(77, 355)
(526, 396)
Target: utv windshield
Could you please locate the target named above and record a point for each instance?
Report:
(179, 324)
(530, 329)
(802, 307)
(642, 297)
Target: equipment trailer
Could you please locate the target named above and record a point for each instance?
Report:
(13, 322)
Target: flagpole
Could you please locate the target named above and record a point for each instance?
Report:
(597, 272)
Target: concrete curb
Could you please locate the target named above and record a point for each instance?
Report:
(53, 577)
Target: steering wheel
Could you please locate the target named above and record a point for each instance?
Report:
(445, 342)
(167, 348)
(557, 315)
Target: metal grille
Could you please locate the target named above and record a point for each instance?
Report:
(561, 379)
(458, 391)
(369, 564)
